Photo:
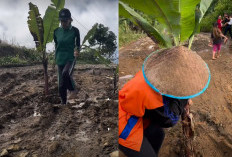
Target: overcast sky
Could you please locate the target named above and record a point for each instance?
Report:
(85, 13)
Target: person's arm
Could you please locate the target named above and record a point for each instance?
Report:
(225, 38)
(211, 40)
(55, 40)
(167, 115)
(77, 42)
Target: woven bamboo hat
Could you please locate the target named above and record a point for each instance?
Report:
(177, 72)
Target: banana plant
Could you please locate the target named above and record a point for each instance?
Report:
(42, 30)
(179, 18)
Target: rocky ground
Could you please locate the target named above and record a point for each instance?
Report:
(31, 125)
(212, 110)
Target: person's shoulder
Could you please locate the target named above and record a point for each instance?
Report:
(75, 28)
(55, 30)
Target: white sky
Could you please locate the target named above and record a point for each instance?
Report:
(14, 13)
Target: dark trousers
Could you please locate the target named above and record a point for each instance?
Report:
(65, 81)
(228, 29)
(152, 141)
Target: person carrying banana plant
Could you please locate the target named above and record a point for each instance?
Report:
(156, 97)
(67, 47)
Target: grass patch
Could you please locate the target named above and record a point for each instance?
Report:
(128, 36)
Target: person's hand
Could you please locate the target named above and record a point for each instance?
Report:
(190, 102)
(187, 107)
(76, 53)
(210, 45)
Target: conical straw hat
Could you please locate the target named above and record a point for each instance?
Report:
(177, 72)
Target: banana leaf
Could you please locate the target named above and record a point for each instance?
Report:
(35, 24)
(51, 19)
(200, 12)
(155, 34)
(89, 34)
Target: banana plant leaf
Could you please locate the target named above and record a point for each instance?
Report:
(200, 12)
(155, 34)
(51, 19)
(178, 16)
(35, 24)
(89, 34)
(165, 12)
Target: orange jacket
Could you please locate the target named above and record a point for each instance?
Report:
(134, 98)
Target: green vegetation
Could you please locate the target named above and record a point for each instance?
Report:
(16, 56)
(127, 35)
(42, 30)
(218, 7)
(178, 20)
(98, 45)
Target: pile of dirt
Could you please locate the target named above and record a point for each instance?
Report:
(212, 110)
(32, 125)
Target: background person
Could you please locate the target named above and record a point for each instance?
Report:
(219, 22)
(226, 25)
(217, 39)
(67, 46)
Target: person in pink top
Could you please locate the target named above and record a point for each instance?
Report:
(219, 22)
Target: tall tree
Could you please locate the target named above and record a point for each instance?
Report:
(104, 40)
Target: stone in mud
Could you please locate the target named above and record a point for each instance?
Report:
(4, 153)
(23, 154)
(114, 154)
(53, 147)
(14, 147)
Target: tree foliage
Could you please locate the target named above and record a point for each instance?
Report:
(219, 7)
(104, 40)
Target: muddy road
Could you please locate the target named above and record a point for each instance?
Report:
(212, 110)
(32, 126)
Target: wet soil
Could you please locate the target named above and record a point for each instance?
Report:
(212, 110)
(32, 125)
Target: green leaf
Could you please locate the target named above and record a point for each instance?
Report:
(102, 59)
(35, 24)
(155, 34)
(199, 14)
(187, 10)
(51, 19)
(166, 12)
(59, 4)
(89, 34)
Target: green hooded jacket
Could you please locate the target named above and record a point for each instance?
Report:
(66, 41)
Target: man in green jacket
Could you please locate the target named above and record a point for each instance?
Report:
(67, 47)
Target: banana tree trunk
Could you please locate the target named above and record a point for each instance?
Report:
(45, 67)
(188, 132)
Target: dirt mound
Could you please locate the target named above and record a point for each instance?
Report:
(32, 124)
(212, 110)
